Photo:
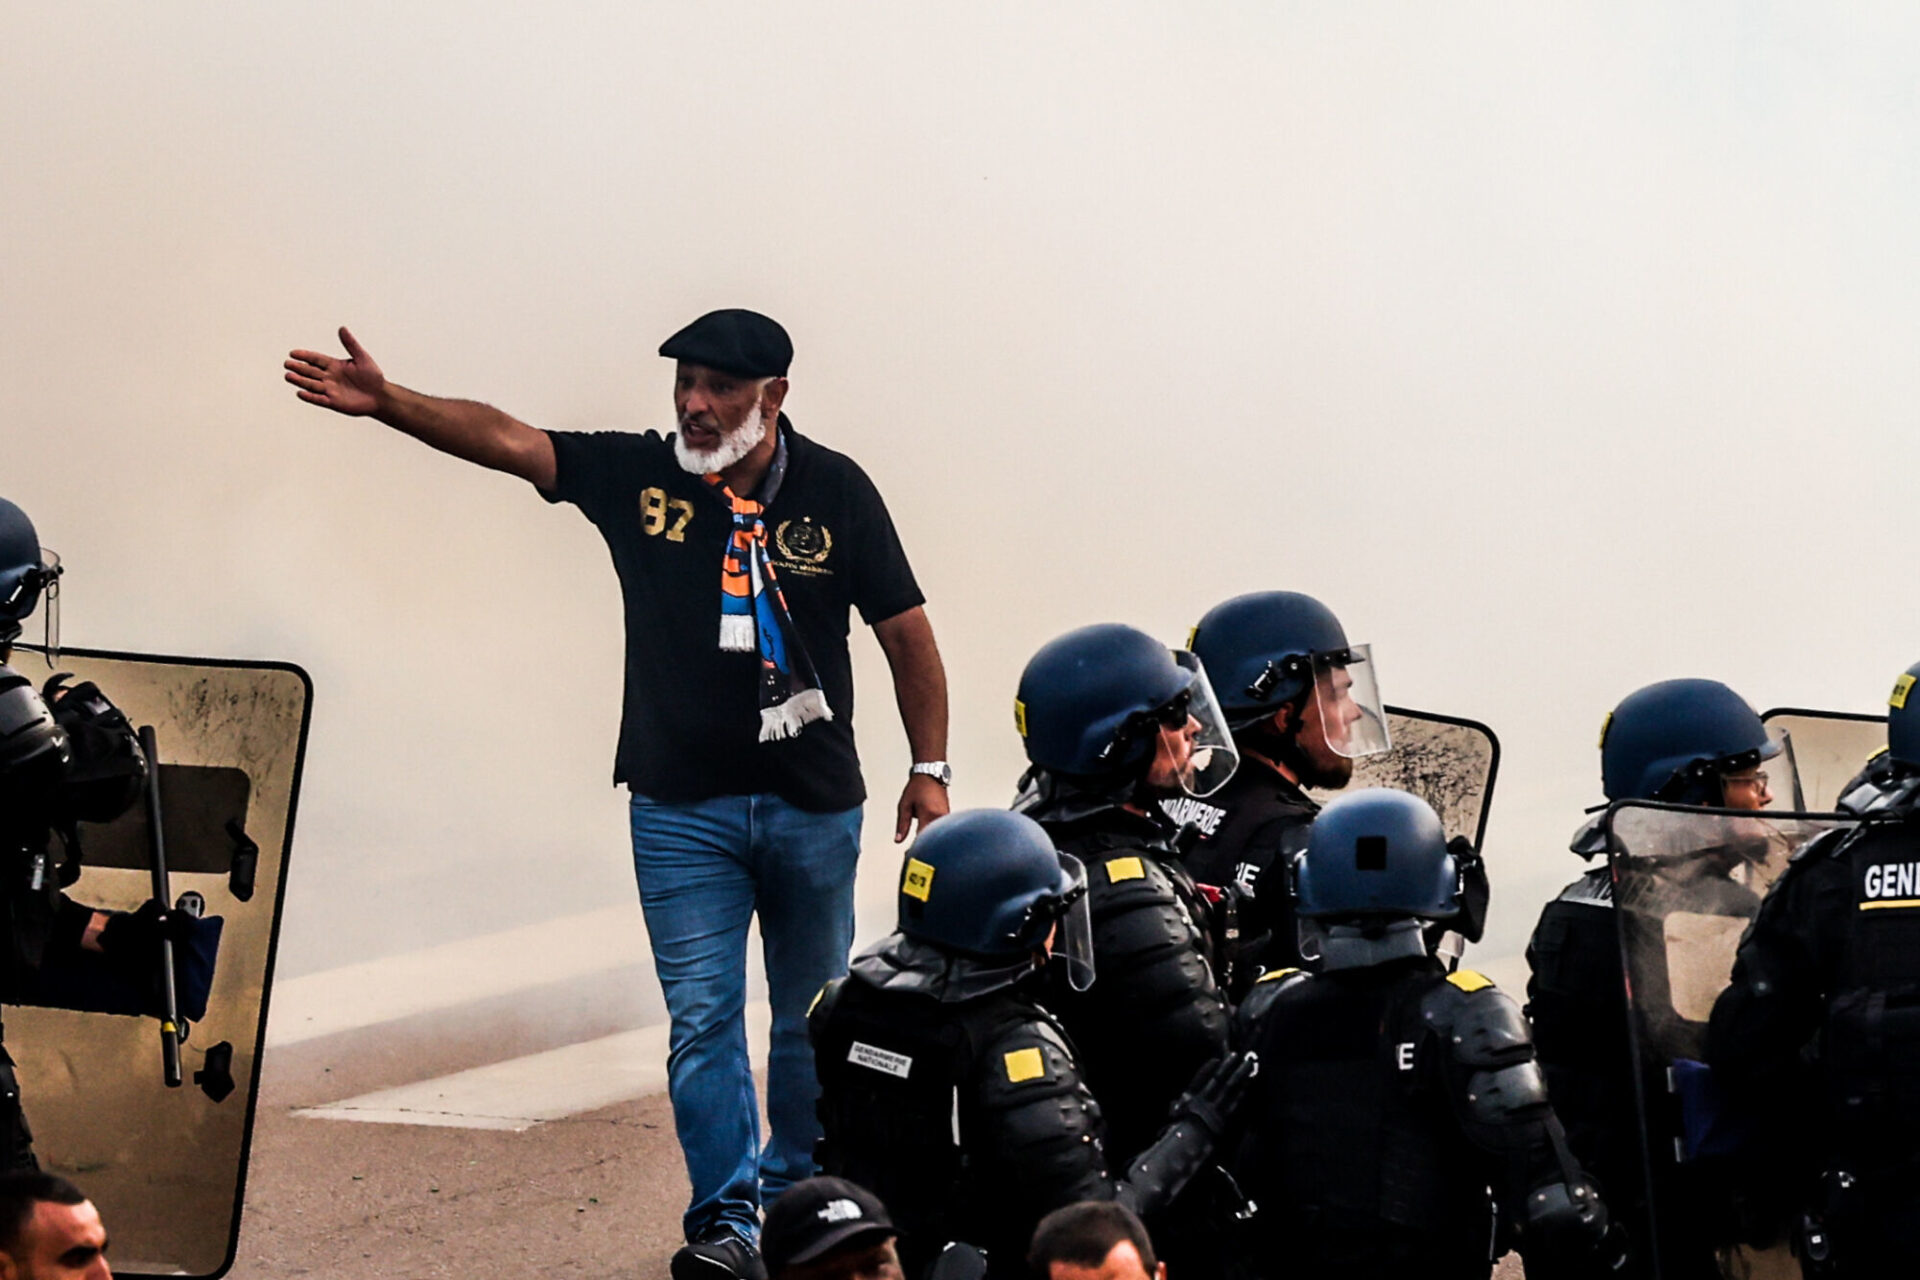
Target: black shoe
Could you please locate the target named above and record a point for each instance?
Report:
(721, 1256)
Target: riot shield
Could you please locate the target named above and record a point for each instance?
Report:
(167, 1166)
(1829, 749)
(1686, 883)
(1446, 761)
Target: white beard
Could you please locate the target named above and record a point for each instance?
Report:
(734, 445)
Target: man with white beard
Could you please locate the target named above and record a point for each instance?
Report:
(741, 546)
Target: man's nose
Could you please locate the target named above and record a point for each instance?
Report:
(693, 403)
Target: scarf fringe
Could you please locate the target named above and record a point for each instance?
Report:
(786, 719)
(736, 633)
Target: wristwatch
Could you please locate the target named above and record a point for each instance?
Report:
(939, 770)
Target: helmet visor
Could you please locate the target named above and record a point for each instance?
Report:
(1346, 695)
(1213, 757)
(1073, 931)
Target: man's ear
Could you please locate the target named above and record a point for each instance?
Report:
(772, 398)
(1160, 1272)
(1283, 718)
(9, 1269)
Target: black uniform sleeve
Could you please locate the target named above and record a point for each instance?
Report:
(1500, 1096)
(1577, 1003)
(1041, 1141)
(882, 582)
(1772, 1006)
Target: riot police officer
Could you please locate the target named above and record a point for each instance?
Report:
(1113, 722)
(948, 1090)
(1303, 704)
(1829, 970)
(65, 757)
(1391, 1094)
(1690, 742)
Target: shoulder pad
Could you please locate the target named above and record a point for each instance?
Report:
(1265, 994)
(1030, 1056)
(1828, 844)
(1484, 1026)
(1594, 889)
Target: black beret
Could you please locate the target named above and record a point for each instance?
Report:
(740, 342)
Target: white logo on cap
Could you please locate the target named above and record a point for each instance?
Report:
(839, 1211)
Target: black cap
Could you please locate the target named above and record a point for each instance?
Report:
(812, 1217)
(740, 342)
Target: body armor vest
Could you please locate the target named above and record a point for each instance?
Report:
(1356, 1156)
(1871, 1041)
(913, 1108)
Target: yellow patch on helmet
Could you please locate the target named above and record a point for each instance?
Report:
(1901, 688)
(918, 882)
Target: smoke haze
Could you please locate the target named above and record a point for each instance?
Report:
(1558, 348)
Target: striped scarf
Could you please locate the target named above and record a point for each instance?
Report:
(752, 608)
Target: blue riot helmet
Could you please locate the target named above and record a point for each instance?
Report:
(1903, 719)
(1673, 741)
(1091, 705)
(1375, 870)
(1377, 852)
(988, 887)
(27, 571)
(1270, 649)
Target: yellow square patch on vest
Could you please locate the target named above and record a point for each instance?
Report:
(1468, 980)
(919, 880)
(1024, 1065)
(1901, 688)
(1119, 869)
(1020, 717)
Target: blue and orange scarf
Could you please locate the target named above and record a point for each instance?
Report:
(753, 609)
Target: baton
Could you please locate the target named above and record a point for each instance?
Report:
(162, 894)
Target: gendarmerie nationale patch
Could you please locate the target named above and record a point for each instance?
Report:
(885, 1061)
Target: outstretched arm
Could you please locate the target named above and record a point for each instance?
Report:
(920, 687)
(464, 428)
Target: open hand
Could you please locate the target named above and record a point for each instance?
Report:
(351, 386)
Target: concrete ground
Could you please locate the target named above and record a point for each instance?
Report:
(594, 1194)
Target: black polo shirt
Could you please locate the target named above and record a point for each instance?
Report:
(690, 723)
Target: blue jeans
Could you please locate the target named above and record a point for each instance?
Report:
(704, 870)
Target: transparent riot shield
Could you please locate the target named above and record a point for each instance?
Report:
(167, 1165)
(1686, 883)
(1446, 761)
(1829, 749)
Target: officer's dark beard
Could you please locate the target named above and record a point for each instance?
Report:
(1283, 748)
